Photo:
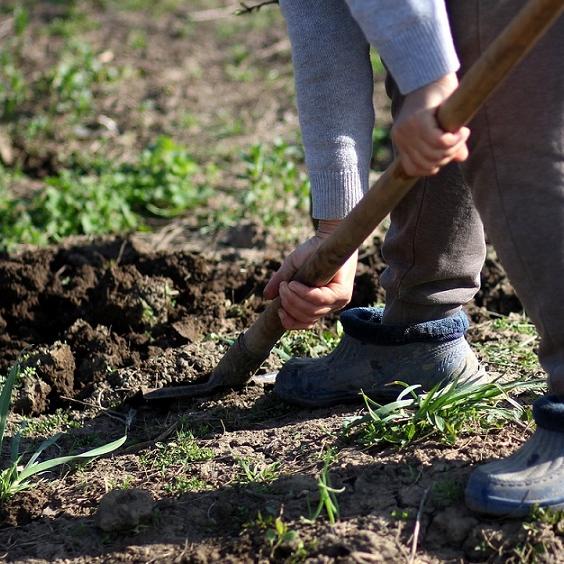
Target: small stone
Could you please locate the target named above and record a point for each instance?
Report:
(124, 509)
(411, 496)
(455, 523)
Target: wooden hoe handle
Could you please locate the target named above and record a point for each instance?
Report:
(246, 355)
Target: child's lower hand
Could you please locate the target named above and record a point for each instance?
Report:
(423, 146)
(303, 306)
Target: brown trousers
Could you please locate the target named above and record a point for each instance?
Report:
(512, 183)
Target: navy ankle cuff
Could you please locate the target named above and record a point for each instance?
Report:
(548, 412)
(365, 324)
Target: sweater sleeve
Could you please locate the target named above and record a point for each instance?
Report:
(412, 37)
(334, 89)
(330, 52)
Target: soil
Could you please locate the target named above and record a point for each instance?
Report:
(98, 320)
(101, 312)
(81, 309)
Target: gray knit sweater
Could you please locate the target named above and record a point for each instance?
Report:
(330, 51)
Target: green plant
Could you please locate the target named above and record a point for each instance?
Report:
(308, 343)
(280, 536)
(513, 346)
(176, 453)
(181, 484)
(18, 476)
(14, 90)
(137, 39)
(400, 514)
(537, 540)
(277, 185)
(447, 492)
(255, 472)
(381, 148)
(62, 420)
(164, 182)
(21, 20)
(327, 493)
(70, 83)
(376, 63)
(443, 412)
(124, 483)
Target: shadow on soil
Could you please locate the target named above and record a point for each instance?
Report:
(379, 497)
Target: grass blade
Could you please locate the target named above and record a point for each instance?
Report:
(48, 464)
(6, 397)
(43, 446)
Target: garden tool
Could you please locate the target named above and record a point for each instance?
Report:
(244, 357)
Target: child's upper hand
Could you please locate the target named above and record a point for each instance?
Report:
(423, 146)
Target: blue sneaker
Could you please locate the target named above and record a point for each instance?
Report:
(532, 476)
(371, 356)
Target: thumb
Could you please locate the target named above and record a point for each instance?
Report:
(283, 274)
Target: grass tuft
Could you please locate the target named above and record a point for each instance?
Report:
(17, 476)
(443, 412)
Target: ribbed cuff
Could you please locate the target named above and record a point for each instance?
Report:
(365, 324)
(548, 412)
(336, 193)
(431, 55)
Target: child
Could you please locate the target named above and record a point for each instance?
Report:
(435, 246)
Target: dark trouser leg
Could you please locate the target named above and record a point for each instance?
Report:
(434, 248)
(516, 169)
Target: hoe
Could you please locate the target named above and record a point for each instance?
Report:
(245, 356)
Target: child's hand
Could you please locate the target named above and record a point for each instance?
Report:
(423, 146)
(303, 306)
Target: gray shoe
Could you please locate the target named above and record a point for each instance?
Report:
(532, 476)
(371, 356)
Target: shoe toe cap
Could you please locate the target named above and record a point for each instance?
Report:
(533, 476)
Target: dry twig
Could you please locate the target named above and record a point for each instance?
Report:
(246, 9)
(417, 528)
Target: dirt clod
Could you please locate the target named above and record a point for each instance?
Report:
(453, 523)
(121, 510)
(31, 398)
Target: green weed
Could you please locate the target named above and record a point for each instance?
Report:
(17, 476)
(137, 39)
(71, 82)
(381, 148)
(515, 346)
(67, 87)
(181, 484)
(14, 89)
(327, 493)
(155, 8)
(538, 540)
(177, 453)
(400, 514)
(447, 492)
(122, 483)
(377, 66)
(541, 531)
(443, 412)
(254, 472)
(58, 421)
(282, 541)
(164, 182)
(70, 24)
(277, 185)
(309, 343)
